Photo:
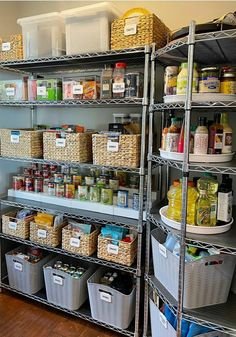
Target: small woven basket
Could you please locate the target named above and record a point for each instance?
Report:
(78, 147)
(48, 236)
(148, 29)
(127, 154)
(12, 48)
(16, 227)
(125, 253)
(28, 145)
(87, 242)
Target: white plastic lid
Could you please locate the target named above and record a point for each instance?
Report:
(91, 10)
(119, 114)
(39, 18)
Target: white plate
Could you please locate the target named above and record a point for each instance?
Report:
(200, 97)
(198, 158)
(194, 229)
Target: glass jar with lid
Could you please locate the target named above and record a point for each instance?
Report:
(228, 81)
(209, 81)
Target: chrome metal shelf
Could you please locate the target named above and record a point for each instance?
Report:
(219, 317)
(83, 313)
(91, 259)
(71, 164)
(221, 168)
(195, 105)
(71, 212)
(217, 47)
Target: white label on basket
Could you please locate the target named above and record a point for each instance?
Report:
(74, 242)
(60, 142)
(162, 250)
(42, 233)
(15, 139)
(42, 91)
(118, 87)
(163, 320)
(12, 225)
(10, 91)
(112, 146)
(18, 266)
(6, 46)
(78, 89)
(58, 280)
(105, 297)
(112, 249)
(130, 29)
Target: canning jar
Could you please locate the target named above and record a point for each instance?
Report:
(118, 86)
(209, 80)
(228, 81)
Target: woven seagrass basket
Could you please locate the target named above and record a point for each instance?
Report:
(11, 48)
(16, 227)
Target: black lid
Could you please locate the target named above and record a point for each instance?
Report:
(202, 121)
(217, 117)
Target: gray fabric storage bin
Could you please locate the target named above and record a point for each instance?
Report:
(109, 305)
(64, 290)
(162, 328)
(207, 281)
(23, 275)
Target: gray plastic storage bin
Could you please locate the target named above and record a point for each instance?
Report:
(162, 328)
(24, 275)
(207, 281)
(109, 305)
(64, 290)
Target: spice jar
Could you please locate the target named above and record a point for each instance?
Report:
(170, 80)
(209, 80)
(227, 81)
(118, 86)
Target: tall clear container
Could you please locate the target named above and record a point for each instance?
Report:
(118, 86)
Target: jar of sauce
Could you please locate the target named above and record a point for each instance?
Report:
(228, 81)
(209, 80)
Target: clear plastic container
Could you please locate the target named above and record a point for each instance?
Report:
(120, 118)
(88, 28)
(13, 90)
(118, 86)
(43, 35)
(49, 90)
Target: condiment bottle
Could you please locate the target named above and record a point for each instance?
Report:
(216, 136)
(201, 137)
(181, 139)
(183, 77)
(170, 80)
(118, 87)
(227, 134)
(192, 133)
(203, 209)
(164, 133)
(106, 83)
(228, 81)
(225, 201)
(173, 136)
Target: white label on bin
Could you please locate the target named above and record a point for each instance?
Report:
(74, 242)
(78, 89)
(112, 249)
(18, 266)
(58, 280)
(42, 233)
(130, 29)
(60, 142)
(41, 91)
(118, 87)
(112, 146)
(10, 91)
(6, 46)
(162, 250)
(105, 297)
(12, 225)
(163, 320)
(15, 139)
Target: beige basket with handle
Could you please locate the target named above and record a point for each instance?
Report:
(16, 227)
(11, 48)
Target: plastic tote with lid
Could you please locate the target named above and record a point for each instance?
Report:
(43, 35)
(88, 28)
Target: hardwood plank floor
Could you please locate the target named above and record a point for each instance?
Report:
(20, 317)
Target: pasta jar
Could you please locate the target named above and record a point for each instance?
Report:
(228, 81)
(209, 80)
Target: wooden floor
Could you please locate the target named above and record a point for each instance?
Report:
(20, 317)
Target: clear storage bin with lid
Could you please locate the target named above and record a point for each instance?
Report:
(88, 28)
(43, 35)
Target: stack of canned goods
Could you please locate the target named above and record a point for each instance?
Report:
(73, 271)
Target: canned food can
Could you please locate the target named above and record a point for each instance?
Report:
(34, 166)
(46, 174)
(45, 185)
(53, 168)
(18, 183)
(114, 184)
(58, 265)
(29, 184)
(51, 188)
(122, 198)
(134, 181)
(46, 167)
(38, 185)
(89, 181)
(135, 201)
(69, 191)
(133, 85)
(107, 196)
(65, 169)
(58, 178)
(100, 183)
(28, 171)
(83, 192)
(38, 173)
(77, 180)
(94, 193)
(67, 179)
(59, 192)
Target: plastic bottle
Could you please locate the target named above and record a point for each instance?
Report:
(201, 137)
(216, 136)
(227, 134)
(192, 134)
(164, 133)
(182, 79)
(181, 139)
(173, 134)
(203, 209)
(118, 86)
(225, 201)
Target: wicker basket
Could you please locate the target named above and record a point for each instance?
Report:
(12, 48)
(77, 147)
(86, 244)
(24, 143)
(145, 30)
(16, 227)
(48, 236)
(124, 253)
(127, 152)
